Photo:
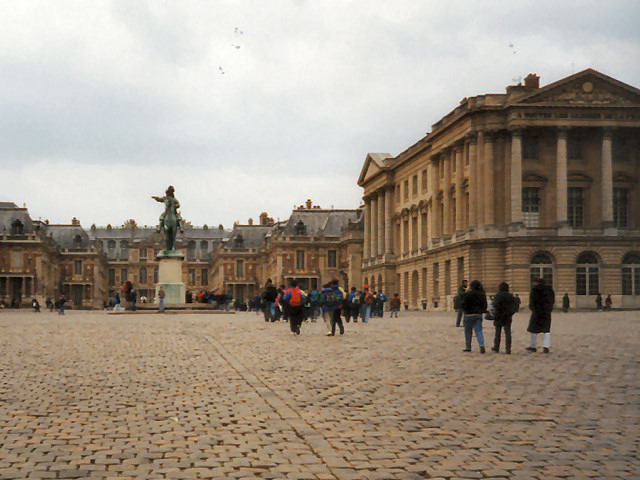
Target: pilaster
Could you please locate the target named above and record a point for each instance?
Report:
(561, 178)
(516, 176)
(607, 178)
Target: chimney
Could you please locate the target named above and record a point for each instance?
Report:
(250, 221)
(531, 82)
(309, 203)
(75, 221)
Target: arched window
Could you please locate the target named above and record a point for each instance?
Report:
(587, 274)
(17, 228)
(631, 274)
(142, 275)
(238, 242)
(300, 228)
(541, 266)
(124, 249)
(77, 241)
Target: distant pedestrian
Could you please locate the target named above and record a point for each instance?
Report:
(35, 305)
(365, 307)
(541, 302)
(161, 295)
(49, 304)
(565, 302)
(474, 304)
(394, 305)
(598, 301)
(354, 299)
(608, 303)
(116, 303)
(61, 301)
(504, 306)
(269, 295)
(457, 302)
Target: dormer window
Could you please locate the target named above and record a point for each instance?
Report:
(77, 241)
(300, 228)
(238, 242)
(17, 228)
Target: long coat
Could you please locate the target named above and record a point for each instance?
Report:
(541, 303)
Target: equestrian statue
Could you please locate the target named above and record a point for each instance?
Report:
(170, 220)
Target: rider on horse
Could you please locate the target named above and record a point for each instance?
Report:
(171, 204)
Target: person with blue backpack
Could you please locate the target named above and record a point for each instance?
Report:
(313, 299)
(331, 299)
(353, 301)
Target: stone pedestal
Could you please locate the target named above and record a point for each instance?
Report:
(170, 277)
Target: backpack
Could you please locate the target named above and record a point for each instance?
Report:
(368, 298)
(314, 297)
(330, 298)
(355, 299)
(295, 297)
(382, 297)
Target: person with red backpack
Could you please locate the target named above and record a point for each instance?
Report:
(365, 306)
(292, 301)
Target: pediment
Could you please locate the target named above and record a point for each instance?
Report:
(530, 177)
(373, 164)
(587, 88)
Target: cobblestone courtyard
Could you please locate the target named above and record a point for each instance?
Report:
(90, 395)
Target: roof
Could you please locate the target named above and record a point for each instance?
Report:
(253, 236)
(69, 236)
(10, 213)
(320, 222)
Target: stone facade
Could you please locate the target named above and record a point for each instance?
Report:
(536, 181)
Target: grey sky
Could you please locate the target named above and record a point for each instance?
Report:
(105, 103)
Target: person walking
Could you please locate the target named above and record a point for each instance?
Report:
(458, 301)
(365, 307)
(269, 295)
(36, 305)
(565, 302)
(598, 301)
(474, 304)
(293, 300)
(504, 306)
(394, 305)
(61, 301)
(116, 303)
(608, 303)
(541, 302)
(161, 295)
(329, 299)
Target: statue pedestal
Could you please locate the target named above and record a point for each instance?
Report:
(170, 277)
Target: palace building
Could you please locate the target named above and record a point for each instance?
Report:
(536, 181)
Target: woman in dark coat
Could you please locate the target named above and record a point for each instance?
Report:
(504, 305)
(541, 302)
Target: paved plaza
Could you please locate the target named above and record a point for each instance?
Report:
(148, 396)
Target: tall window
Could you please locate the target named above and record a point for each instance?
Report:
(424, 180)
(192, 276)
(124, 249)
(143, 255)
(620, 207)
(531, 206)
(112, 276)
(142, 275)
(123, 275)
(575, 206)
(239, 268)
(529, 147)
(300, 259)
(191, 250)
(587, 274)
(332, 259)
(77, 267)
(204, 276)
(204, 246)
(631, 274)
(155, 275)
(111, 248)
(414, 185)
(406, 189)
(541, 267)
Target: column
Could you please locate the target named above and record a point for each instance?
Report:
(607, 178)
(446, 187)
(374, 226)
(561, 177)
(489, 207)
(516, 176)
(367, 230)
(433, 175)
(459, 220)
(473, 183)
(388, 239)
(381, 222)
(480, 167)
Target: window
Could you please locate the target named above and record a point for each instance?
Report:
(529, 147)
(112, 276)
(204, 245)
(631, 274)
(414, 185)
(620, 207)
(192, 276)
(77, 267)
(142, 275)
(155, 275)
(397, 193)
(143, 255)
(587, 274)
(574, 147)
(575, 206)
(406, 189)
(191, 250)
(17, 228)
(123, 275)
(77, 241)
(424, 180)
(541, 266)
(239, 268)
(111, 248)
(531, 206)
(300, 259)
(204, 276)
(332, 259)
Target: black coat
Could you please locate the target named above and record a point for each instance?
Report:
(504, 305)
(474, 302)
(541, 303)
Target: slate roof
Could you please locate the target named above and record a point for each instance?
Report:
(253, 235)
(328, 223)
(69, 236)
(9, 213)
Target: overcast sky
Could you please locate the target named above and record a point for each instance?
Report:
(251, 106)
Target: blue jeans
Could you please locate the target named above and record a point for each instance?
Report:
(473, 323)
(365, 312)
(394, 310)
(161, 304)
(459, 317)
(269, 311)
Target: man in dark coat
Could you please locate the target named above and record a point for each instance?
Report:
(269, 295)
(504, 306)
(541, 302)
(474, 304)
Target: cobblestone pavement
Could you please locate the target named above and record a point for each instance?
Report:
(148, 396)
